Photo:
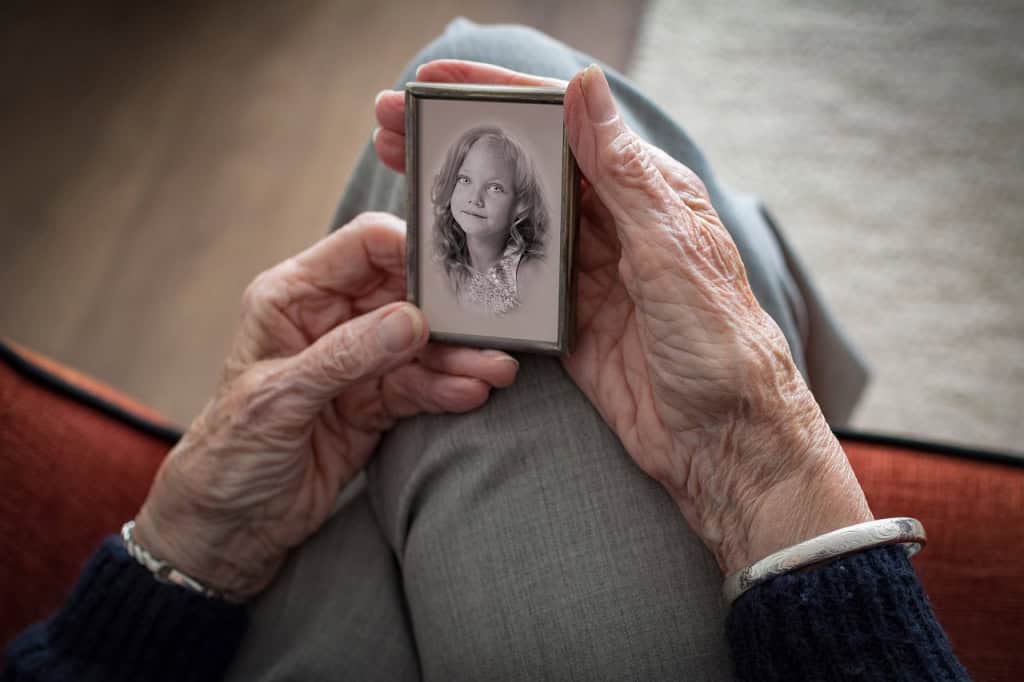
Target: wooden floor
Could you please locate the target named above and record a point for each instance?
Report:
(156, 156)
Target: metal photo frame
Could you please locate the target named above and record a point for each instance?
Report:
(415, 95)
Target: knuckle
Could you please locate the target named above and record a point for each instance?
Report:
(348, 355)
(689, 182)
(627, 161)
(683, 180)
(259, 293)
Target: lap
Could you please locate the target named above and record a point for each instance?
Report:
(531, 547)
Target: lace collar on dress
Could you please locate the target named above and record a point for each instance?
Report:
(494, 291)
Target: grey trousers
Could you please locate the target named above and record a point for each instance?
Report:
(520, 541)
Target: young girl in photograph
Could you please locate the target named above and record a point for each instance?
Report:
(490, 220)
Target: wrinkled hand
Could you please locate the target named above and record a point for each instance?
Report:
(325, 360)
(673, 349)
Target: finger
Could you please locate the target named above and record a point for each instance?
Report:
(378, 297)
(389, 108)
(619, 167)
(365, 347)
(462, 71)
(414, 388)
(362, 263)
(390, 148)
(496, 368)
(352, 259)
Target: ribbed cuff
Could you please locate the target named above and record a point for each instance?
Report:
(864, 617)
(120, 623)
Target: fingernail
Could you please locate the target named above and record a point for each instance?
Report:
(399, 330)
(379, 95)
(376, 132)
(498, 355)
(597, 95)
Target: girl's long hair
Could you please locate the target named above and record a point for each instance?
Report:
(529, 217)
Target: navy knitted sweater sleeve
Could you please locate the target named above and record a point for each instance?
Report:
(121, 624)
(864, 617)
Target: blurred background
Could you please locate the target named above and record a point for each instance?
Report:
(157, 156)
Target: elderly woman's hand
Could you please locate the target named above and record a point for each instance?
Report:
(325, 360)
(673, 348)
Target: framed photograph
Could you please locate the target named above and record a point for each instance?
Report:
(493, 196)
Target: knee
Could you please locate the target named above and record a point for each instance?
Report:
(512, 46)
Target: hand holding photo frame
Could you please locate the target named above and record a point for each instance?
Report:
(493, 197)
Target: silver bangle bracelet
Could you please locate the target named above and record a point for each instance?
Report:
(164, 572)
(834, 545)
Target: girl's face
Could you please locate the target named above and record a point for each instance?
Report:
(483, 196)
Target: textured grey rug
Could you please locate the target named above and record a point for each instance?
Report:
(889, 142)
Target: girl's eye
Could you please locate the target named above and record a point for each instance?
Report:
(497, 189)
(462, 180)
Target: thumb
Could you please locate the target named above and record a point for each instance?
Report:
(364, 347)
(619, 165)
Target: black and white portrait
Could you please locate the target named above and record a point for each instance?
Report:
(489, 219)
